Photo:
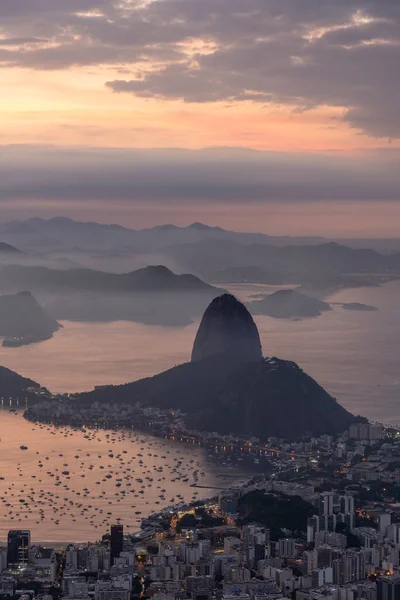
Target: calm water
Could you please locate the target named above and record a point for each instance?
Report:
(70, 485)
(354, 355)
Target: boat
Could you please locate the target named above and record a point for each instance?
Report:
(24, 447)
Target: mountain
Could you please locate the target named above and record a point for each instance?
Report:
(228, 329)
(15, 386)
(292, 263)
(23, 320)
(64, 233)
(213, 253)
(273, 398)
(61, 233)
(287, 304)
(153, 295)
(149, 279)
(8, 249)
(221, 390)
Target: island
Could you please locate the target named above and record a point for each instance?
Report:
(23, 321)
(358, 306)
(288, 304)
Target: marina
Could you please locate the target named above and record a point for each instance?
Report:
(72, 484)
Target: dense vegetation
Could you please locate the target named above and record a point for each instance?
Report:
(275, 512)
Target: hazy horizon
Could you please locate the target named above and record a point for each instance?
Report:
(277, 116)
(228, 222)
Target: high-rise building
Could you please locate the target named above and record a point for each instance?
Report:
(228, 500)
(71, 557)
(310, 561)
(326, 504)
(117, 541)
(259, 552)
(45, 565)
(312, 528)
(376, 432)
(350, 567)
(199, 588)
(384, 521)
(287, 548)
(364, 431)
(393, 533)
(3, 559)
(346, 504)
(388, 588)
(18, 544)
(106, 590)
(321, 577)
(325, 557)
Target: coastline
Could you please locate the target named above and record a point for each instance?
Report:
(17, 342)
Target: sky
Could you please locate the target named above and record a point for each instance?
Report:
(272, 115)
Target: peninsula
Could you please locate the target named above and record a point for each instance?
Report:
(228, 387)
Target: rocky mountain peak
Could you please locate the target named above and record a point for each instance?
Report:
(227, 328)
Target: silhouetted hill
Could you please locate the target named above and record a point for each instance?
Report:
(153, 295)
(23, 320)
(293, 263)
(8, 249)
(220, 390)
(273, 398)
(227, 328)
(13, 385)
(64, 233)
(275, 512)
(270, 397)
(149, 279)
(288, 304)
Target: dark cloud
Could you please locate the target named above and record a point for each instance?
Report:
(21, 41)
(188, 177)
(303, 53)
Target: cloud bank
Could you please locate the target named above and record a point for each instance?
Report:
(162, 177)
(300, 53)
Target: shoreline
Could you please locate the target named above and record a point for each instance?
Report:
(211, 442)
(133, 442)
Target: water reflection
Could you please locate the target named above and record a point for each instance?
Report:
(70, 484)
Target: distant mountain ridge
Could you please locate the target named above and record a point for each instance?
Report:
(211, 253)
(153, 295)
(62, 232)
(289, 262)
(149, 279)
